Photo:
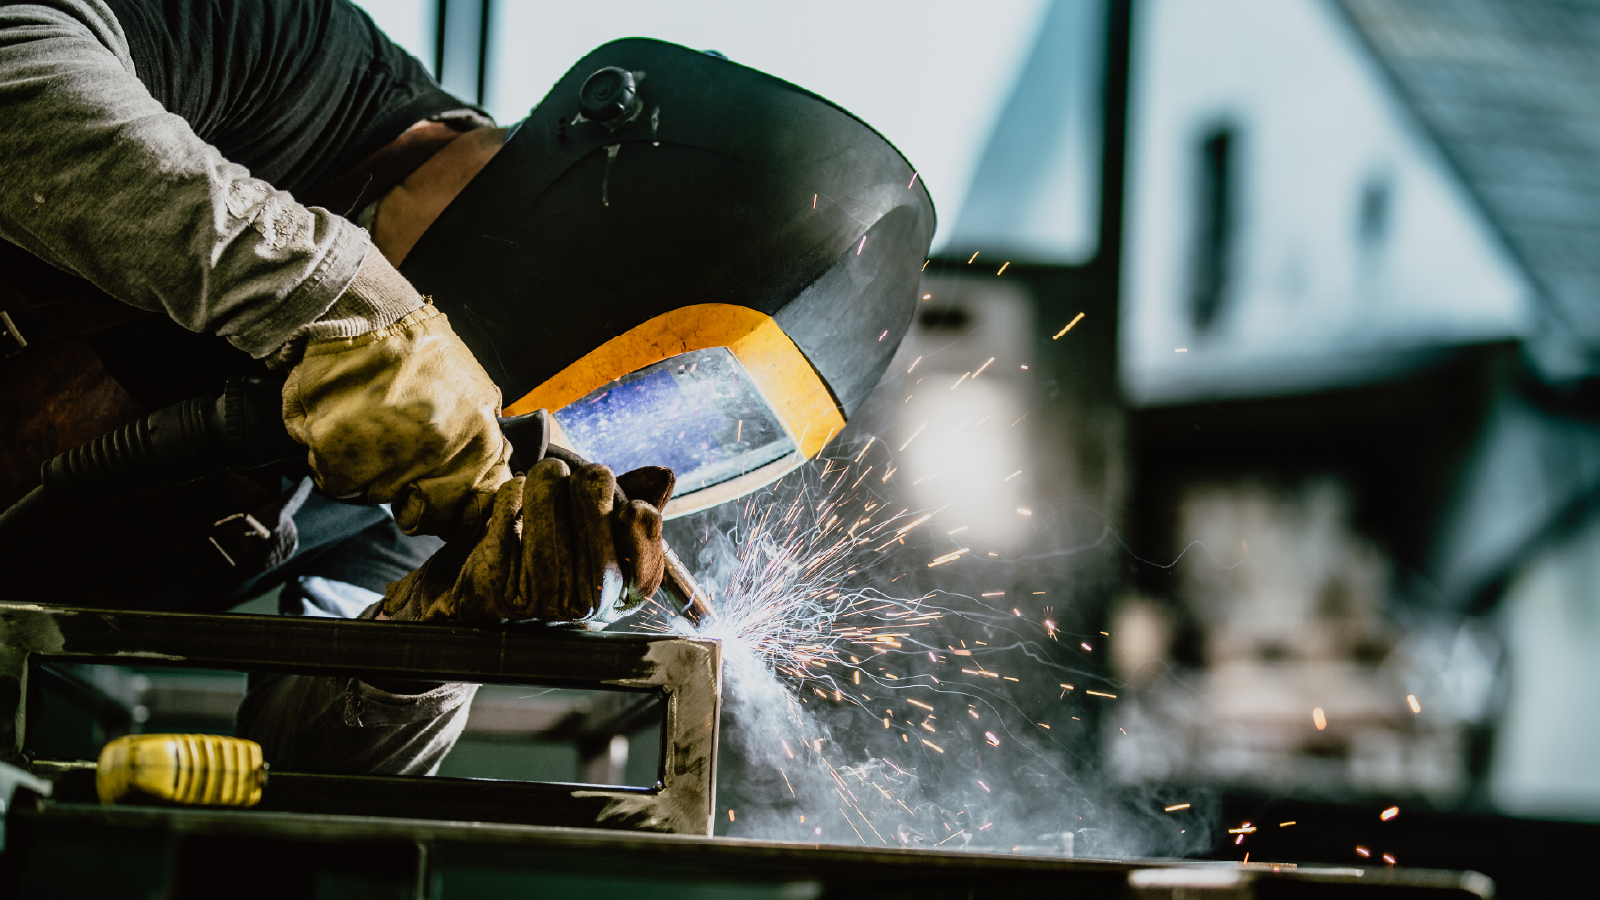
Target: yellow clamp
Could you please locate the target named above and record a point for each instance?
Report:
(193, 769)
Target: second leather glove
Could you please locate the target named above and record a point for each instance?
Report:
(563, 544)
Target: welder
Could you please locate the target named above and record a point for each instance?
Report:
(687, 262)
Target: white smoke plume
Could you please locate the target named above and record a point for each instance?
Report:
(873, 695)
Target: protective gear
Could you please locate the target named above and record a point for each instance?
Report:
(563, 544)
(402, 415)
(745, 255)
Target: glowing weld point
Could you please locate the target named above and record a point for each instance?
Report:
(1098, 694)
(730, 815)
(1177, 807)
(1362, 851)
(913, 180)
(932, 744)
(884, 335)
(1388, 858)
(1086, 647)
(1389, 813)
(974, 256)
(863, 245)
(986, 788)
(1319, 718)
(993, 741)
(994, 593)
(1003, 269)
(1412, 700)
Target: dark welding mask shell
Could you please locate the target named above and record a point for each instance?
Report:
(714, 206)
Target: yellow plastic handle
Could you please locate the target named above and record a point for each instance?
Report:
(193, 769)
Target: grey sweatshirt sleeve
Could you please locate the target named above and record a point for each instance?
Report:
(100, 180)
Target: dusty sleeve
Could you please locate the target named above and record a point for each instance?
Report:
(99, 179)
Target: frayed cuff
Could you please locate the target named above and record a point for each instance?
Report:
(377, 297)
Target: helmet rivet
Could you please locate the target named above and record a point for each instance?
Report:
(607, 94)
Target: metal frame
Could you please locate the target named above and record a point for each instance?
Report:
(686, 671)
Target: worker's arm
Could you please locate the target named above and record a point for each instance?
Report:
(102, 181)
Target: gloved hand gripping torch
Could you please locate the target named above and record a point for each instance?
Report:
(242, 429)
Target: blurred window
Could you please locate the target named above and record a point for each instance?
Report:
(1216, 162)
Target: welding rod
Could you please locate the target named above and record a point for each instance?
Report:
(692, 600)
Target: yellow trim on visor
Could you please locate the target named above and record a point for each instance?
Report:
(779, 370)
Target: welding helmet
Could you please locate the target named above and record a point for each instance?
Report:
(688, 262)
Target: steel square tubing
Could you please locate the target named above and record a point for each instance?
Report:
(687, 671)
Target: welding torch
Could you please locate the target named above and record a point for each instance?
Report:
(242, 429)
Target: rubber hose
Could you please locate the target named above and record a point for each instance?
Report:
(179, 443)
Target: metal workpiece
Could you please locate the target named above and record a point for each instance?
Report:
(448, 859)
(685, 672)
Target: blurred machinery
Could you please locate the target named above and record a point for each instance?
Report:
(1296, 678)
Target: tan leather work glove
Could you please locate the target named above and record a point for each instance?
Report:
(563, 545)
(402, 415)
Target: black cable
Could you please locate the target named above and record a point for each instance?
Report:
(22, 513)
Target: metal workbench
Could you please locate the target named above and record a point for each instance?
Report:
(71, 850)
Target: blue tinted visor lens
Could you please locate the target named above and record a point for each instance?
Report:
(697, 413)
